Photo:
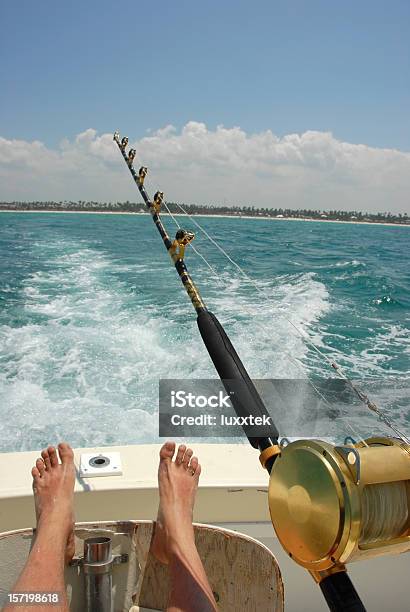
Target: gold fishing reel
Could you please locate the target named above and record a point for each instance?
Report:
(331, 505)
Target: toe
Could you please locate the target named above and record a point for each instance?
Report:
(193, 465)
(197, 472)
(40, 466)
(187, 457)
(35, 474)
(180, 454)
(167, 451)
(66, 453)
(46, 459)
(53, 456)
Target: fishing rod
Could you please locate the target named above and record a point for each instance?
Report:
(243, 394)
(329, 505)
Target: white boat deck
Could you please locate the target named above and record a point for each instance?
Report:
(233, 486)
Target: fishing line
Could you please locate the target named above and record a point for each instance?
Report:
(188, 283)
(362, 396)
(294, 360)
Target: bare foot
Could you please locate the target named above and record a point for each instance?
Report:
(178, 484)
(53, 486)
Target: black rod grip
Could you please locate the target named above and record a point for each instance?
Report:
(231, 368)
(340, 594)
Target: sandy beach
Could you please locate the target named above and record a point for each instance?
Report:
(165, 214)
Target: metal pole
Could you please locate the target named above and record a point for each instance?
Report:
(98, 562)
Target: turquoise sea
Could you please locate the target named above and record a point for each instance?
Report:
(92, 314)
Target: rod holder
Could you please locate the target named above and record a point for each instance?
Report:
(97, 564)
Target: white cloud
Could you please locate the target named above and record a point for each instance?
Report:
(309, 170)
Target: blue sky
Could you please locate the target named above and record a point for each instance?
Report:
(313, 97)
(288, 66)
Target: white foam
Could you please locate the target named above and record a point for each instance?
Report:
(260, 328)
(354, 263)
(87, 367)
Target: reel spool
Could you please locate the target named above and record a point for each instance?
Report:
(333, 505)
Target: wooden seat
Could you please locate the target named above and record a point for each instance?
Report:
(243, 573)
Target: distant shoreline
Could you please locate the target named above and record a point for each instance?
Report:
(212, 216)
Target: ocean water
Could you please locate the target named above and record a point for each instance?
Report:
(92, 314)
